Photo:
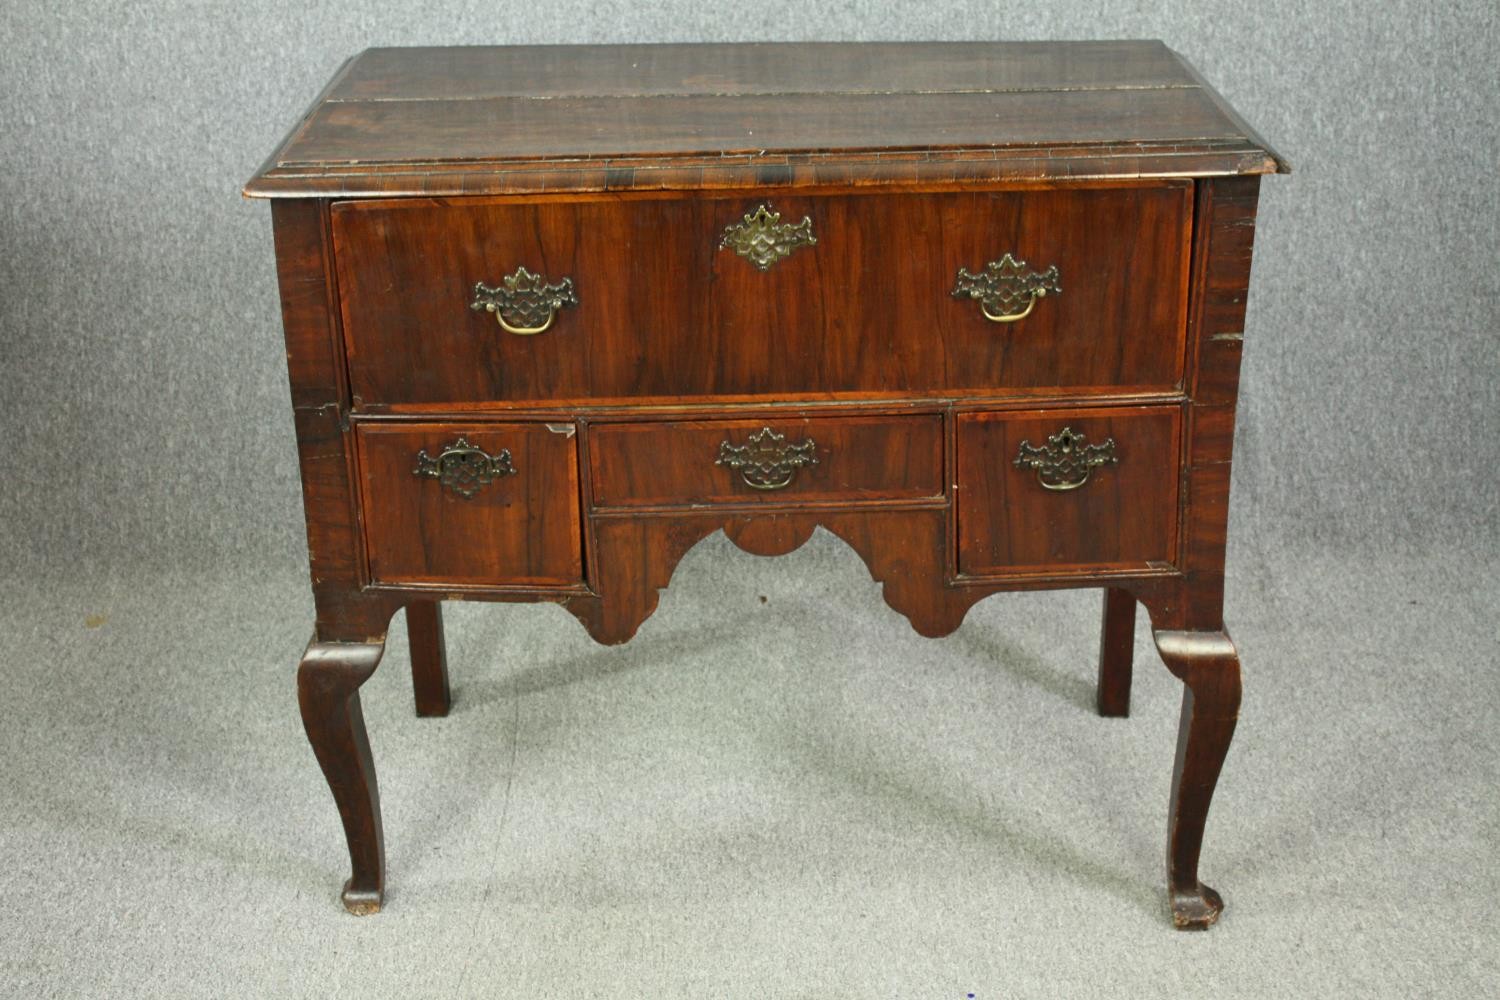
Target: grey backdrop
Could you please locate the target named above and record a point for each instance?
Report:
(144, 401)
(777, 789)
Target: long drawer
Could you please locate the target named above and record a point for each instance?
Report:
(1076, 289)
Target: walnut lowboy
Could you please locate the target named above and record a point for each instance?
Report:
(539, 348)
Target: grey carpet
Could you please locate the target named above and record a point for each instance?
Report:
(777, 790)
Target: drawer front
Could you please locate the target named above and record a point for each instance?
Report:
(685, 463)
(1061, 490)
(655, 298)
(474, 504)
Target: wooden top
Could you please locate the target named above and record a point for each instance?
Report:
(443, 121)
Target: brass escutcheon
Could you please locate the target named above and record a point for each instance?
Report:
(463, 468)
(1067, 460)
(763, 239)
(529, 300)
(1007, 291)
(767, 462)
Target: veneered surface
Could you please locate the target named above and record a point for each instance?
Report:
(664, 312)
(513, 120)
(675, 463)
(1124, 516)
(520, 530)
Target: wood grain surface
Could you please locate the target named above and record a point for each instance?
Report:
(674, 463)
(543, 71)
(664, 312)
(1124, 515)
(420, 121)
(520, 529)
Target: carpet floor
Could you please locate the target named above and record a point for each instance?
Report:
(777, 790)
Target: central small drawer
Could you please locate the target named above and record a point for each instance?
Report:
(757, 461)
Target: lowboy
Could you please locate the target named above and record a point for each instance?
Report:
(555, 314)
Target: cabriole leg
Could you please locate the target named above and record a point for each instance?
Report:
(429, 658)
(1116, 652)
(1209, 668)
(328, 681)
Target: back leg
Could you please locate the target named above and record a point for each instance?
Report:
(1116, 652)
(429, 658)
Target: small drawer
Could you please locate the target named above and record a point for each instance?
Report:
(772, 460)
(476, 504)
(1065, 490)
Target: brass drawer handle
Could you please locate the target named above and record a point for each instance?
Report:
(463, 468)
(1067, 460)
(763, 239)
(530, 301)
(1007, 291)
(767, 462)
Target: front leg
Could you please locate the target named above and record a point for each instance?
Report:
(1209, 667)
(328, 681)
